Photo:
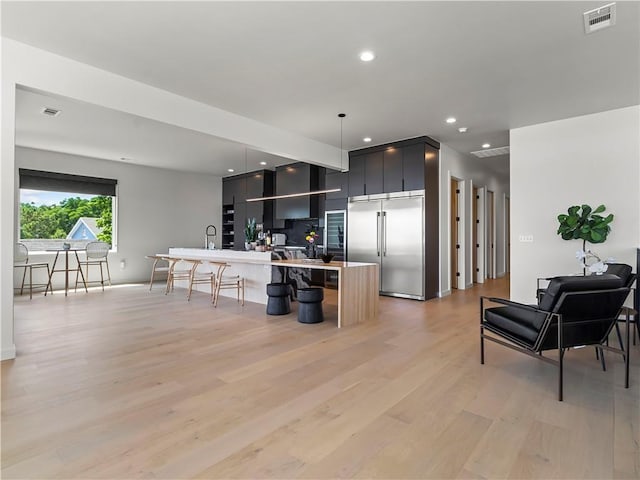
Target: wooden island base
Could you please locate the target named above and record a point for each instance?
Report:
(358, 288)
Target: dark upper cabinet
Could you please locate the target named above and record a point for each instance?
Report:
(297, 178)
(373, 173)
(413, 167)
(235, 190)
(255, 184)
(392, 177)
(356, 174)
(335, 179)
(227, 192)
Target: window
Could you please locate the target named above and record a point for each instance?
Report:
(57, 208)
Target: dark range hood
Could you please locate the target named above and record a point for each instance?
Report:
(296, 178)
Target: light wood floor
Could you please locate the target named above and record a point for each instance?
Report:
(132, 384)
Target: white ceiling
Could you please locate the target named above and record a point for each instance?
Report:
(93, 131)
(294, 65)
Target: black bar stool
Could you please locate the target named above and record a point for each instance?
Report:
(310, 305)
(278, 302)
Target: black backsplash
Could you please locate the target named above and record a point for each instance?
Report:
(297, 230)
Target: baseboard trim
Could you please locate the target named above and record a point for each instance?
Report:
(500, 275)
(444, 293)
(8, 353)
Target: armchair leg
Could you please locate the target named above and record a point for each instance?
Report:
(560, 358)
(627, 353)
(604, 366)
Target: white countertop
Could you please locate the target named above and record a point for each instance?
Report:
(250, 256)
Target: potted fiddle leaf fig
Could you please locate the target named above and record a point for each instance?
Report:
(582, 222)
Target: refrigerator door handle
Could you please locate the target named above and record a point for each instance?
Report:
(384, 234)
(378, 232)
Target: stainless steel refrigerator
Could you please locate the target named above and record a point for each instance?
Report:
(388, 229)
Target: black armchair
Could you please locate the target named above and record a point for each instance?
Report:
(623, 271)
(574, 311)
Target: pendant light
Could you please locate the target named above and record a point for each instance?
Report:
(341, 116)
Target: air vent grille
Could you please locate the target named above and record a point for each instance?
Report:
(491, 152)
(51, 112)
(599, 18)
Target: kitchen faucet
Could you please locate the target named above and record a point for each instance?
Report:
(210, 244)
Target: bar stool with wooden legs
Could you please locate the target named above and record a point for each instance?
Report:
(179, 272)
(21, 260)
(158, 269)
(231, 281)
(207, 272)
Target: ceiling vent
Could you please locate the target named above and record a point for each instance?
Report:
(491, 152)
(51, 112)
(599, 18)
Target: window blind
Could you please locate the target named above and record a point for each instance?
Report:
(65, 182)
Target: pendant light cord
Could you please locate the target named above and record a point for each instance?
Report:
(341, 115)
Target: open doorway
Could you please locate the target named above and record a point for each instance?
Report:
(507, 234)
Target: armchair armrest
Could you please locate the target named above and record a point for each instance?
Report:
(542, 279)
(509, 303)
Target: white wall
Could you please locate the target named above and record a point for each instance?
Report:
(462, 167)
(156, 208)
(592, 159)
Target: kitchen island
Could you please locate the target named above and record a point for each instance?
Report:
(358, 283)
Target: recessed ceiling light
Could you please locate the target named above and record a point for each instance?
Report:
(230, 170)
(366, 139)
(462, 129)
(486, 145)
(451, 120)
(263, 163)
(367, 56)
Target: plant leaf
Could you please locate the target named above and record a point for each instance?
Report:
(599, 209)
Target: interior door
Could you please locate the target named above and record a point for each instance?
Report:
(363, 232)
(490, 235)
(475, 223)
(455, 243)
(403, 246)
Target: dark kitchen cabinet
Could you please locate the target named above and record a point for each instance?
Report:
(239, 221)
(356, 174)
(392, 175)
(255, 185)
(233, 189)
(236, 190)
(413, 167)
(335, 179)
(298, 178)
(373, 173)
